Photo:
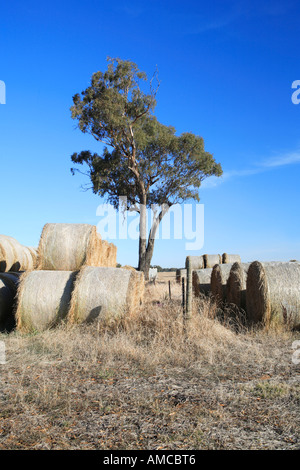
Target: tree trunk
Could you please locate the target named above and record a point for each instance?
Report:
(146, 250)
(142, 237)
(148, 257)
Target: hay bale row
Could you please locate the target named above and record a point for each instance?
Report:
(209, 261)
(68, 247)
(273, 293)
(263, 291)
(16, 257)
(266, 291)
(204, 280)
(46, 298)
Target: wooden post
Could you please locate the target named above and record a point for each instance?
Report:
(170, 290)
(183, 296)
(189, 289)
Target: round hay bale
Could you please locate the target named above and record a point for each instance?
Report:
(230, 258)
(8, 289)
(68, 247)
(140, 281)
(236, 285)
(43, 299)
(196, 262)
(211, 260)
(104, 293)
(7, 253)
(180, 274)
(201, 281)
(273, 293)
(25, 259)
(219, 276)
(14, 256)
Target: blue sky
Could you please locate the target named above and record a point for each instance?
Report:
(226, 70)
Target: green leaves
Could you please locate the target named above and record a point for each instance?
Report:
(142, 158)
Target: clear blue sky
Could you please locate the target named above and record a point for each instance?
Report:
(226, 69)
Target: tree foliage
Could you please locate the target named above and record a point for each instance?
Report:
(142, 159)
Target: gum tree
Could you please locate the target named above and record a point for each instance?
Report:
(142, 159)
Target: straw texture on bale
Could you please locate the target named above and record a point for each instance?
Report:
(105, 293)
(34, 255)
(24, 260)
(108, 253)
(211, 260)
(68, 247)
(43, 299)
(273, 293)
(201, 281)
(7, 253)
(140, 281)
(195, 262)
(8, 289)
(130, 268)
(236, 285)
(219, 277)
(226, 258)
(14, 256)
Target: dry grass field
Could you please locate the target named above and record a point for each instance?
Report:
(140, 383)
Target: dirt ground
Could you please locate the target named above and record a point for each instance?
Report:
(141, 384)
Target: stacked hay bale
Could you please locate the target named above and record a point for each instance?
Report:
(211, 260)
(201, 279)
(195, 262)
(219, 276)
(16, 257)
(76, 280)
(273, 294)
(67, 247)
(43, 299)
(236, 285)
(226, 258)
(140, 281)
(104, 293)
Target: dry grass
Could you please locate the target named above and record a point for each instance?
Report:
(140, 383)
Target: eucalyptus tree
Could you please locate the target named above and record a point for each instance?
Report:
(142, 159)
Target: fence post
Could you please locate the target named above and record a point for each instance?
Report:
(183, 296)
(189, 289)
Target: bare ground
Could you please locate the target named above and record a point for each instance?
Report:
(141, 384)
